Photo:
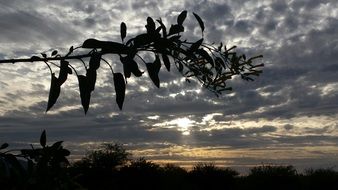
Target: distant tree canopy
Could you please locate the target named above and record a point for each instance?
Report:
(212, 65)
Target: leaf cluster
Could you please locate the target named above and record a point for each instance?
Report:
(208, 64)
(36, 168)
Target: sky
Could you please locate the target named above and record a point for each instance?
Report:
(288, 115)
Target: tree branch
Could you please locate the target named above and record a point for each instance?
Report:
(37, 59)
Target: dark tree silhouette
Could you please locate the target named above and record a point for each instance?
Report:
(212, 65)
(35, 168)
(112, 167)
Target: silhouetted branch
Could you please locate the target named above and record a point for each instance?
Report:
(211, 66)
(38, 59)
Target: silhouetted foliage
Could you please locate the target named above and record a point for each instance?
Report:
(36, 168)
(111, 167)
(273, 177)
(99, 166)
(320, 179)
(174, 177)
(108, 157)
(211, 65)
(144, 174)
(208, 176)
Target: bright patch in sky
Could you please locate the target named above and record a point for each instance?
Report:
(183, 124)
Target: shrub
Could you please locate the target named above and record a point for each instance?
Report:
(208, 176)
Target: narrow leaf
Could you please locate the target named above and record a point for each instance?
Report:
(150, 25)
(220, 46)
(194, 47)
(219, 62)
(175, 38)
(181, 17)
(255, 66)
(71, 49)
(206, 56)
(57, 145)
(35, 58)
(226, 89)
(153, 70)
(43, 138)
(123, 30)
(65, 152)
(84, 92)
(130, 66)
(166, 61)
(120, 89)
(200, 21)
(175, 29)
(106, 46)
(179, 66)
(54, 92)
(126, 71)
(157, 64)
(54, 52)
(141, 40)
(91, 79)
(64, 71)
(164, 29)
(94, 62)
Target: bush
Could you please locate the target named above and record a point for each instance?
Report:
(273, 177)
(110, 167)
(174, 177)
(208, 176)
(98, 169)
(36, 168)
(144, 174)
(320, 179)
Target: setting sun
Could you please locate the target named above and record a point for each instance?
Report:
(183, 125)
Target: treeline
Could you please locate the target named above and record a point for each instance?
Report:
(112, 167)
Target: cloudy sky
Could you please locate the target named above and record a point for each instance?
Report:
(289, 115)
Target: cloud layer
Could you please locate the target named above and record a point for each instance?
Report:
(290, 110)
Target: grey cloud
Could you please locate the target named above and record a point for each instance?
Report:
(214, 14)
(323, 130)
(299, 50)
(243, 27)
(307, 4)
(279, 6)
(35, 27)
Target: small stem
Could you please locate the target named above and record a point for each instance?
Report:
(54, 64)
(141, 58)
(50, 69)
(73, 69)
(45, 59)
(84, 64)
(111, 68)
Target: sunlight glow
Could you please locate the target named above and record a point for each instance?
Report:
(153, 117)
(182, 124)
